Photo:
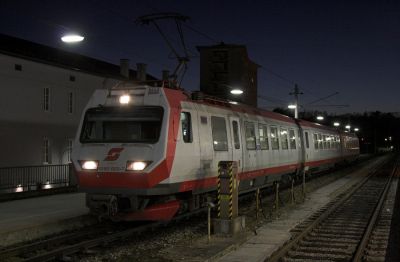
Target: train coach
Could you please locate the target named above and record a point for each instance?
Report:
(145, 152)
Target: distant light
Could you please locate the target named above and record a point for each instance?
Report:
(236, 91)
(233, 102)
(320, 118)
(124, 99)
(19, 188)
(385, 139)
(47, 185)
(336, 124)
(356, 129)
(292, 106)
(72, 38)
(348, 127)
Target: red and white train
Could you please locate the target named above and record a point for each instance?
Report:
(148, 153)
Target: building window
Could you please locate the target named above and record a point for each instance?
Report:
(72, 78)
(70, 102)
(250, 135)
(263, 134)
(186, 127)
(46, 151)
(292, 138)
(307, 142)
(69, 150)
(236, 139)
(284, 138)
(18, 67)
(274, 138)
(220, 138)
(46, 99)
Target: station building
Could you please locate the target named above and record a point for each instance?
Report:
(43, 93)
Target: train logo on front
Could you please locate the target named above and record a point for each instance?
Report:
(113, 154)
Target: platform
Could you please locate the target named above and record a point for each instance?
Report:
(35, 217)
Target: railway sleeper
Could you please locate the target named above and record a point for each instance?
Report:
(318, 256)
(325, 244)
(331, 240)
(326, 250)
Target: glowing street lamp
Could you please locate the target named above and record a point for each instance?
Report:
(320, 118)
(236, 91)
(72, 38)
(356, 129)
(348, 127)
(336, 124)
(292, 106)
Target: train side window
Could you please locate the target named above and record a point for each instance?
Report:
(220, 138)
(186, 127)
(320, 146)
(316, 141)
(236, 140)
(284, 138)
(306, 138)
(325, 142)
(263, 133)
(292, 138)
(250, 135)
(274, 138)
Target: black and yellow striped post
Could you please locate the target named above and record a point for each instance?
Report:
(227, 190)
(228, 222)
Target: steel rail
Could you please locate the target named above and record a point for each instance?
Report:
(275, 257)
(372, 222)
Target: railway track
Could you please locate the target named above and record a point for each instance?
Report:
(65, 245)
(61, 247)
(353, 227)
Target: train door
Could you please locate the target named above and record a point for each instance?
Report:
(237, 145)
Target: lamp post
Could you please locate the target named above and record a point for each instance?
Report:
(72, 38)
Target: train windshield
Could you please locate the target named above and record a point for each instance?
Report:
(126, 125)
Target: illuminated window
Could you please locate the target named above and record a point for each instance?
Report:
(320, 142)
(284, 138)
(274, 138)
(220, 138)
(250, 135)
(236, 139)
(292, 139)
(46, 99)
(263, 134)
(186, 127)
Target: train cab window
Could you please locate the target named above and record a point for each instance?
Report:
(235, 128)
(274, 138)
(220, 138)
(250, 136)
(263, 134)
(307, 142)
(284, 138)
(292, 139)
(316, 141)
(186, 127)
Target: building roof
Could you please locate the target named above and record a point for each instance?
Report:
(28, 50)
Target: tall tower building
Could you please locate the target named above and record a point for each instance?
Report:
(224, 67)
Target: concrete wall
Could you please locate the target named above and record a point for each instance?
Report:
(23, 121)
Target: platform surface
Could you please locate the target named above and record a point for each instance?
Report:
(32, 212)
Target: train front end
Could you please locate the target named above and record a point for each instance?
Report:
(120, 154)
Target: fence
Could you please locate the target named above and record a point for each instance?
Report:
(18, 179)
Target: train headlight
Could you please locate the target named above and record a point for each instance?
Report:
(137, 165)
(89, 164)
(124, 99)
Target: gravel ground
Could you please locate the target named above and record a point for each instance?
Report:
(187, 240)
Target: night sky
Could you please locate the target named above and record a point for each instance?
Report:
(350, 47)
